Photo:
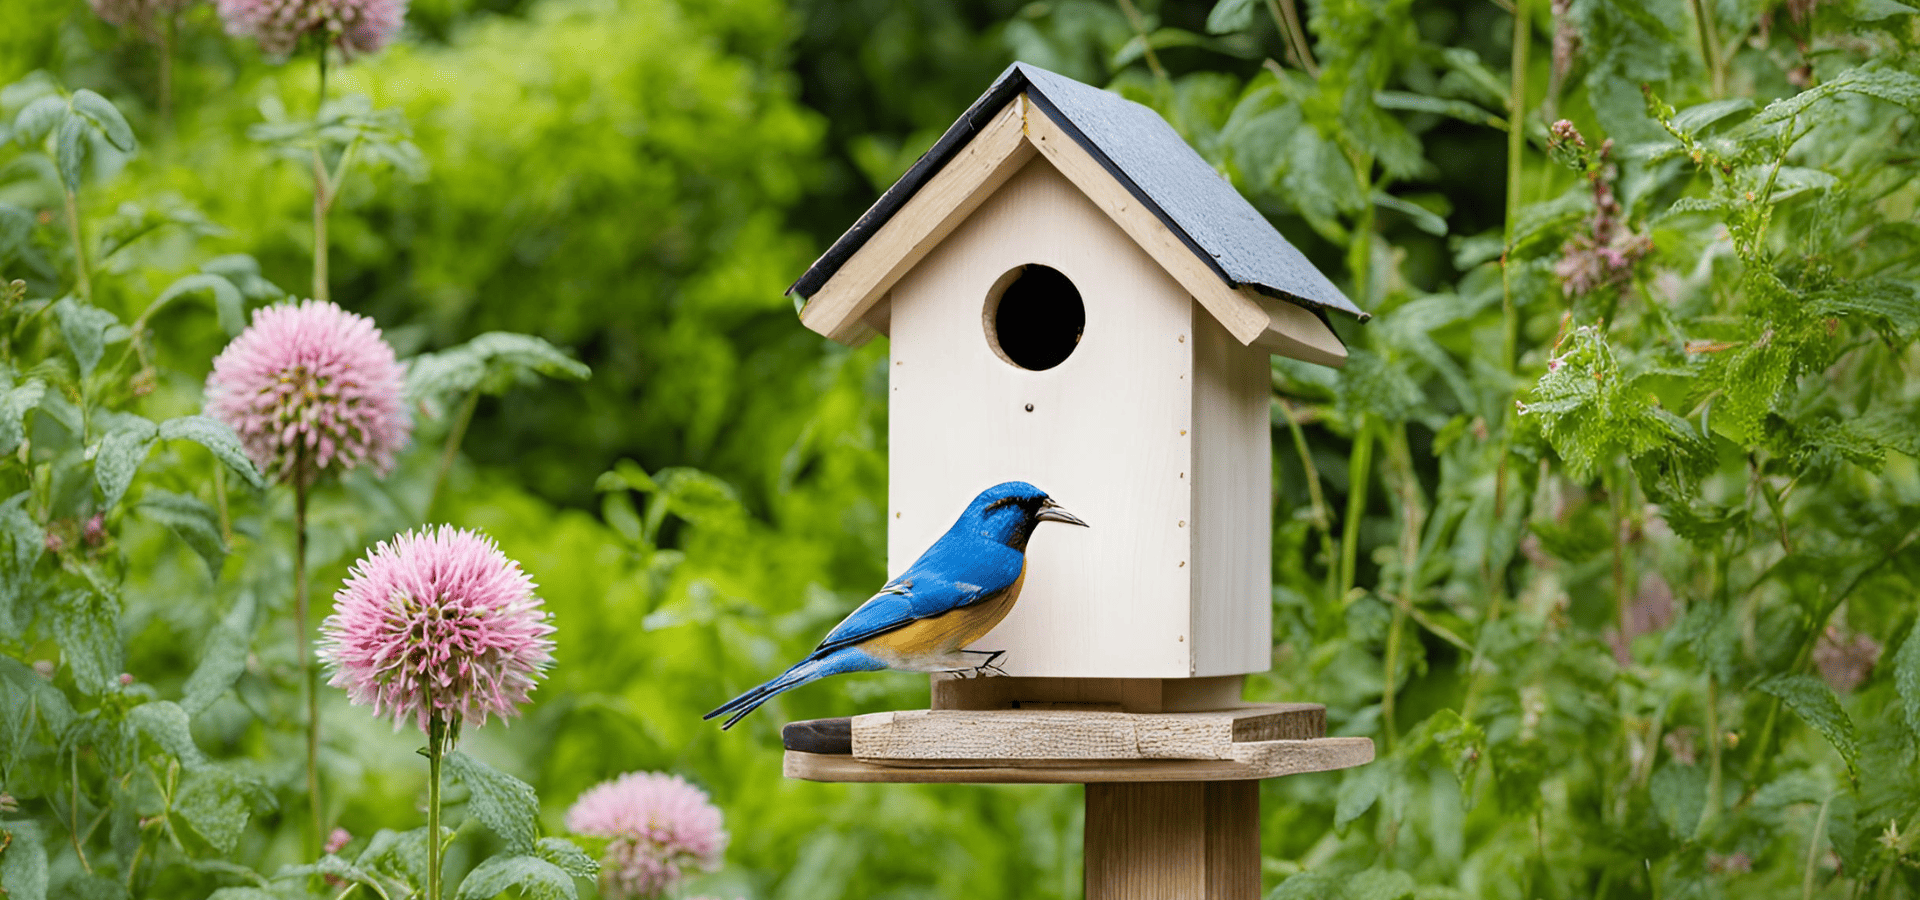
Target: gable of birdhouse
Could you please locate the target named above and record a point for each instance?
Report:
(1130, 163)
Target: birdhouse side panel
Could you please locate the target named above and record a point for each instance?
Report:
(1105, 431)
(1232, 497)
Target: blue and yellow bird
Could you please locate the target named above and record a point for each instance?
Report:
(950, 597)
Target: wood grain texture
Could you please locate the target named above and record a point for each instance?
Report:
(1173, 841)
(1037, 734)
(1107, 435)
(1111, 694)
(1242, 317)
(946, 199)
(1295, 332)
(1252, 761)
(1232, 476)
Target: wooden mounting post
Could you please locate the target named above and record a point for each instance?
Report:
(1177, 840)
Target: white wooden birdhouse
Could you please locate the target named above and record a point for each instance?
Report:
(1074, 298)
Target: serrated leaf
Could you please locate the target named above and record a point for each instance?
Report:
(167, 724)
(228, 305)
(52, 705)
(1231, 15)
(70, 150)
(88, 330)
(402, 853)
(14, 405)
(1814, 702)
(223, 660)
(29, 539)
(23, 868)
(219, 439)
(118, 457)
(214, 803)
(84, 625)
(1906, 678)
(1694, 118)
(106, 117)
(1423, 218)
(535, 877)
(568, 856)
(1439, 106)
(490, 363)
(243, 272)
(38, 119)
(500, 801)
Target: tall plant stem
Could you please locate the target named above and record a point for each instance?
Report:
(1516, 144)
(1139, 24)
(1710, 47)
(1322, 517)
(454, 436)
(307, 687)
(436, 747)
(322, 191)
(1358, 466)
(1412, 520)
(168, 33)
(81, 276)
(1287, 18)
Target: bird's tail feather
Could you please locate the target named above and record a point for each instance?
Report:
(842, 660)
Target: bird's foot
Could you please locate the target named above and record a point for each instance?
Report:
(989, 666)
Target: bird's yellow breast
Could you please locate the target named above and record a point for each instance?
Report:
(945, 634)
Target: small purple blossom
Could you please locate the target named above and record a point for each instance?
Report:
(354, 26)
(95, 531)
(437, 624)
(310, 389)
(338, 840)
(659, 826)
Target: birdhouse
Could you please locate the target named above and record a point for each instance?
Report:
(1074, 298)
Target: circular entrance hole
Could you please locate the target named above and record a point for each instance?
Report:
(1034, 317)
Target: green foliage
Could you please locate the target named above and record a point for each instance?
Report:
(1617, 572)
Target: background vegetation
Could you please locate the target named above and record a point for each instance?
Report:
(1605, 534)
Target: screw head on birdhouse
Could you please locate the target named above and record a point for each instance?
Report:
(1074, 298)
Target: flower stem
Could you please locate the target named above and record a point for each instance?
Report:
(322, 192)
(1358, 467)
(300, 638)
(81, 277)
(436, 747)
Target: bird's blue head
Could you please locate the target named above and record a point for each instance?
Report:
(1008, 512)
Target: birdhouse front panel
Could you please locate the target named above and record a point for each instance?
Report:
(1038, 342)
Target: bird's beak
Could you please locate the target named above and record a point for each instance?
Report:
(1051, 512)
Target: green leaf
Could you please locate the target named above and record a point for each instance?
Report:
(1357, 793)
(38, 119)
(1679, 796)
(1439, 106)
(1694, 118)
(214, 802)
(402, 853)
(223, 660)
(535, 877)
(29, 539)
(490, 363)
(118, 456)
(84, 626)
(1231, 15)
(243, 893)
(15, 403)
(1379, 884)
(502, 802)
(23, 867)
(1812, 700)
(219, 439)
(227, 302)
(166, 723)
(1423, 218)
(88, 330)
(194, 521)
(70, 150)
(568, 856)
(106, 117)
(1906, 678)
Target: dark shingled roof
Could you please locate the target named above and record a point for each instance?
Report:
(1144, 154)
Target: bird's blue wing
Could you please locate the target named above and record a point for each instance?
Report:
(957, 571)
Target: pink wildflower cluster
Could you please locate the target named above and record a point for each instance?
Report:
(437, 624)
(354, 26)
(1845, 660)
(1604, 254)
(311, 388)
(658, 825)
(145, 15)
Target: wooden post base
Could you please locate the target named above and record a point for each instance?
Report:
(1181, 840)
